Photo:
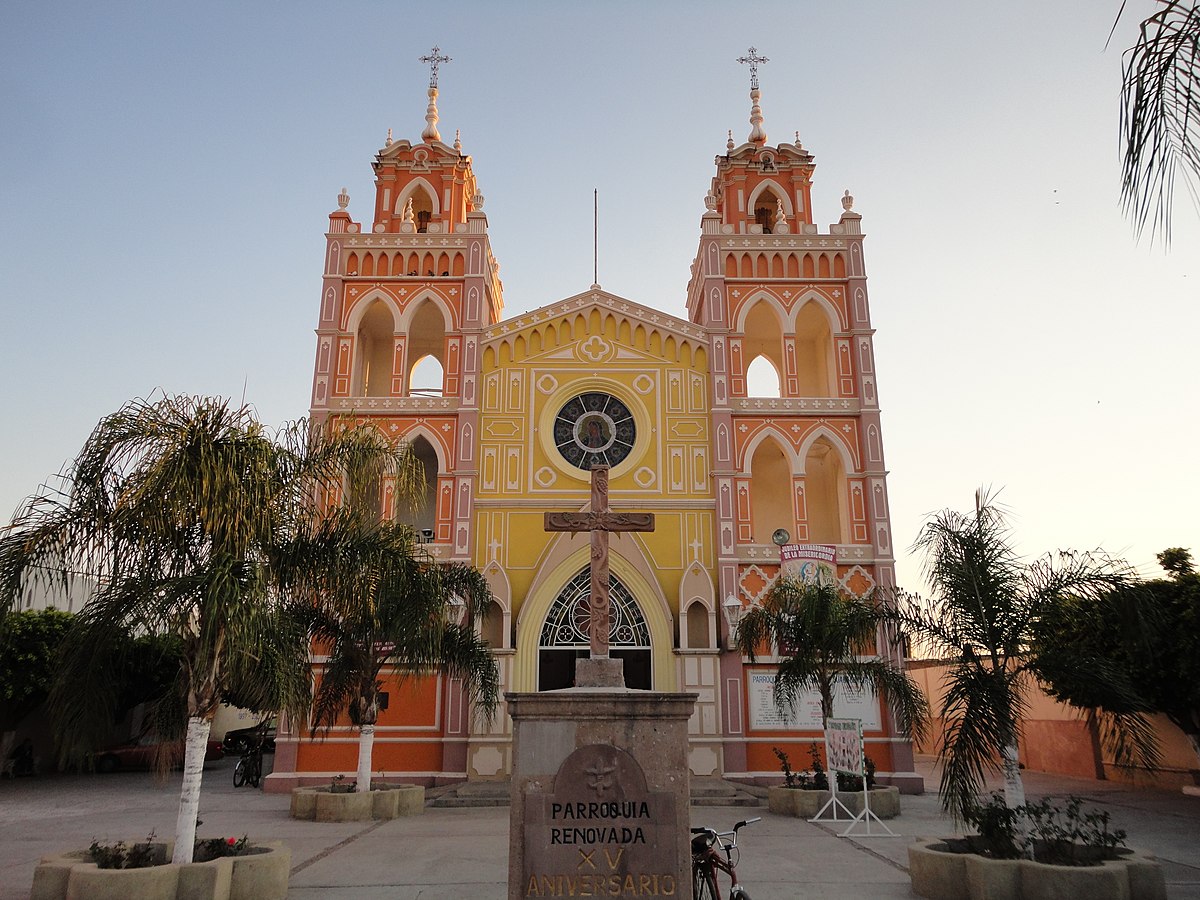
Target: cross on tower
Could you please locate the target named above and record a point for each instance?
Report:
(754, 59)
(433, 59)
(600, 521)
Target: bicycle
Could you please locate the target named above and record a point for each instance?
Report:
(249, 765)
(707, 847)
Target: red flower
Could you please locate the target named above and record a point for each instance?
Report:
(231, 841)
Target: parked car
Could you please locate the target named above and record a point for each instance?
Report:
(141, 752)
(238, 740)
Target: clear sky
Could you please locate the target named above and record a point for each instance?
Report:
(167, 169)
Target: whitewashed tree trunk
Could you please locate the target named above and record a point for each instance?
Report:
(1014, 787)
(189, 795)
(366, 743)
(1014, 796)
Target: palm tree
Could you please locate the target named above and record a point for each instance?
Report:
(398, 613)
(826, 638)
(981, 618)
(1160, 114)
(192, 520)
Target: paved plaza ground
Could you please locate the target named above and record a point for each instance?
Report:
(463, 853)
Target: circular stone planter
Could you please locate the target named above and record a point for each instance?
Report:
(785, 801)
(385, 801)
(939, 873)
(261, 874)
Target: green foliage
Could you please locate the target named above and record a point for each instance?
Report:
(853, 784)
(1177, 562)
(215, 848)
(1059, 835)
(393, 608)
(789, 777)
(1130, 652)
(820, 781)
(29, 645)
(825, 638)
(197, 526)
(1160, 114)
(982, 618)
(193, 521)
(126, 856)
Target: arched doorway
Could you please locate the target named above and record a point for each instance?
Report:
(564, 636)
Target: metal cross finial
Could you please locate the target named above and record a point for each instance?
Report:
(754, 59)
(433, 59)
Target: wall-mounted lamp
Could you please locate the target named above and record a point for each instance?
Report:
(455, 608)
(732, 607)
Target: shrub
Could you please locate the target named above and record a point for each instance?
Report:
(1041, 830)
(215, 848)
(124, 856)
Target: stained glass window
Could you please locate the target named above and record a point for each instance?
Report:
(569, 620)
(594, 429)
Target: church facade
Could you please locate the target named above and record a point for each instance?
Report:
(509, 415)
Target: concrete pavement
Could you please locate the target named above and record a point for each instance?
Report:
(463, 853)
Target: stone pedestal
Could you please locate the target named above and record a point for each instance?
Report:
(599, 792)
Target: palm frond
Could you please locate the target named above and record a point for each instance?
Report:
(825, 638)
(1160, 116)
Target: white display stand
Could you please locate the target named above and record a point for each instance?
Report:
(844, 753)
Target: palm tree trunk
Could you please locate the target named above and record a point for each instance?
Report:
(366, 742)
(1014, 787)
(189, 796)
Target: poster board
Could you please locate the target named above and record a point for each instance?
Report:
(844, 746)
(848, 703)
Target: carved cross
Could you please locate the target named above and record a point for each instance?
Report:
(754, 59)
(432, 59)
(599, 521)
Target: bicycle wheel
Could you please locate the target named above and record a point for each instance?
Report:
(703, 883)
(239, 773)
(255, 774)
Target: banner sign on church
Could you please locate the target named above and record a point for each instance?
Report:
(823, 552)
(848, 703)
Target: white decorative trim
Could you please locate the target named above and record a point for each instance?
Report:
(645, 477)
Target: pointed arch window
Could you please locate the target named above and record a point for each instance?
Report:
(376, 348)
(825, 493)
(763, 343)
(565, 634)
(423, 516)
(766, 211)
(427, 350)
(770, 491)
(814, 352)
(762, 378)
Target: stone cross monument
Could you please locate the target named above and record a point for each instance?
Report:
(600, 521)
(599, 771)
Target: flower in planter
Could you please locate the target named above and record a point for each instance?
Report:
(214, 848)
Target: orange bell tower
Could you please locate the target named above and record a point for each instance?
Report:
(404, 304)
(798, 453)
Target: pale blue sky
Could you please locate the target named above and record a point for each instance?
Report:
(167, 170)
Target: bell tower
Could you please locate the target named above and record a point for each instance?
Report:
(798, 453)
(403, 304)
